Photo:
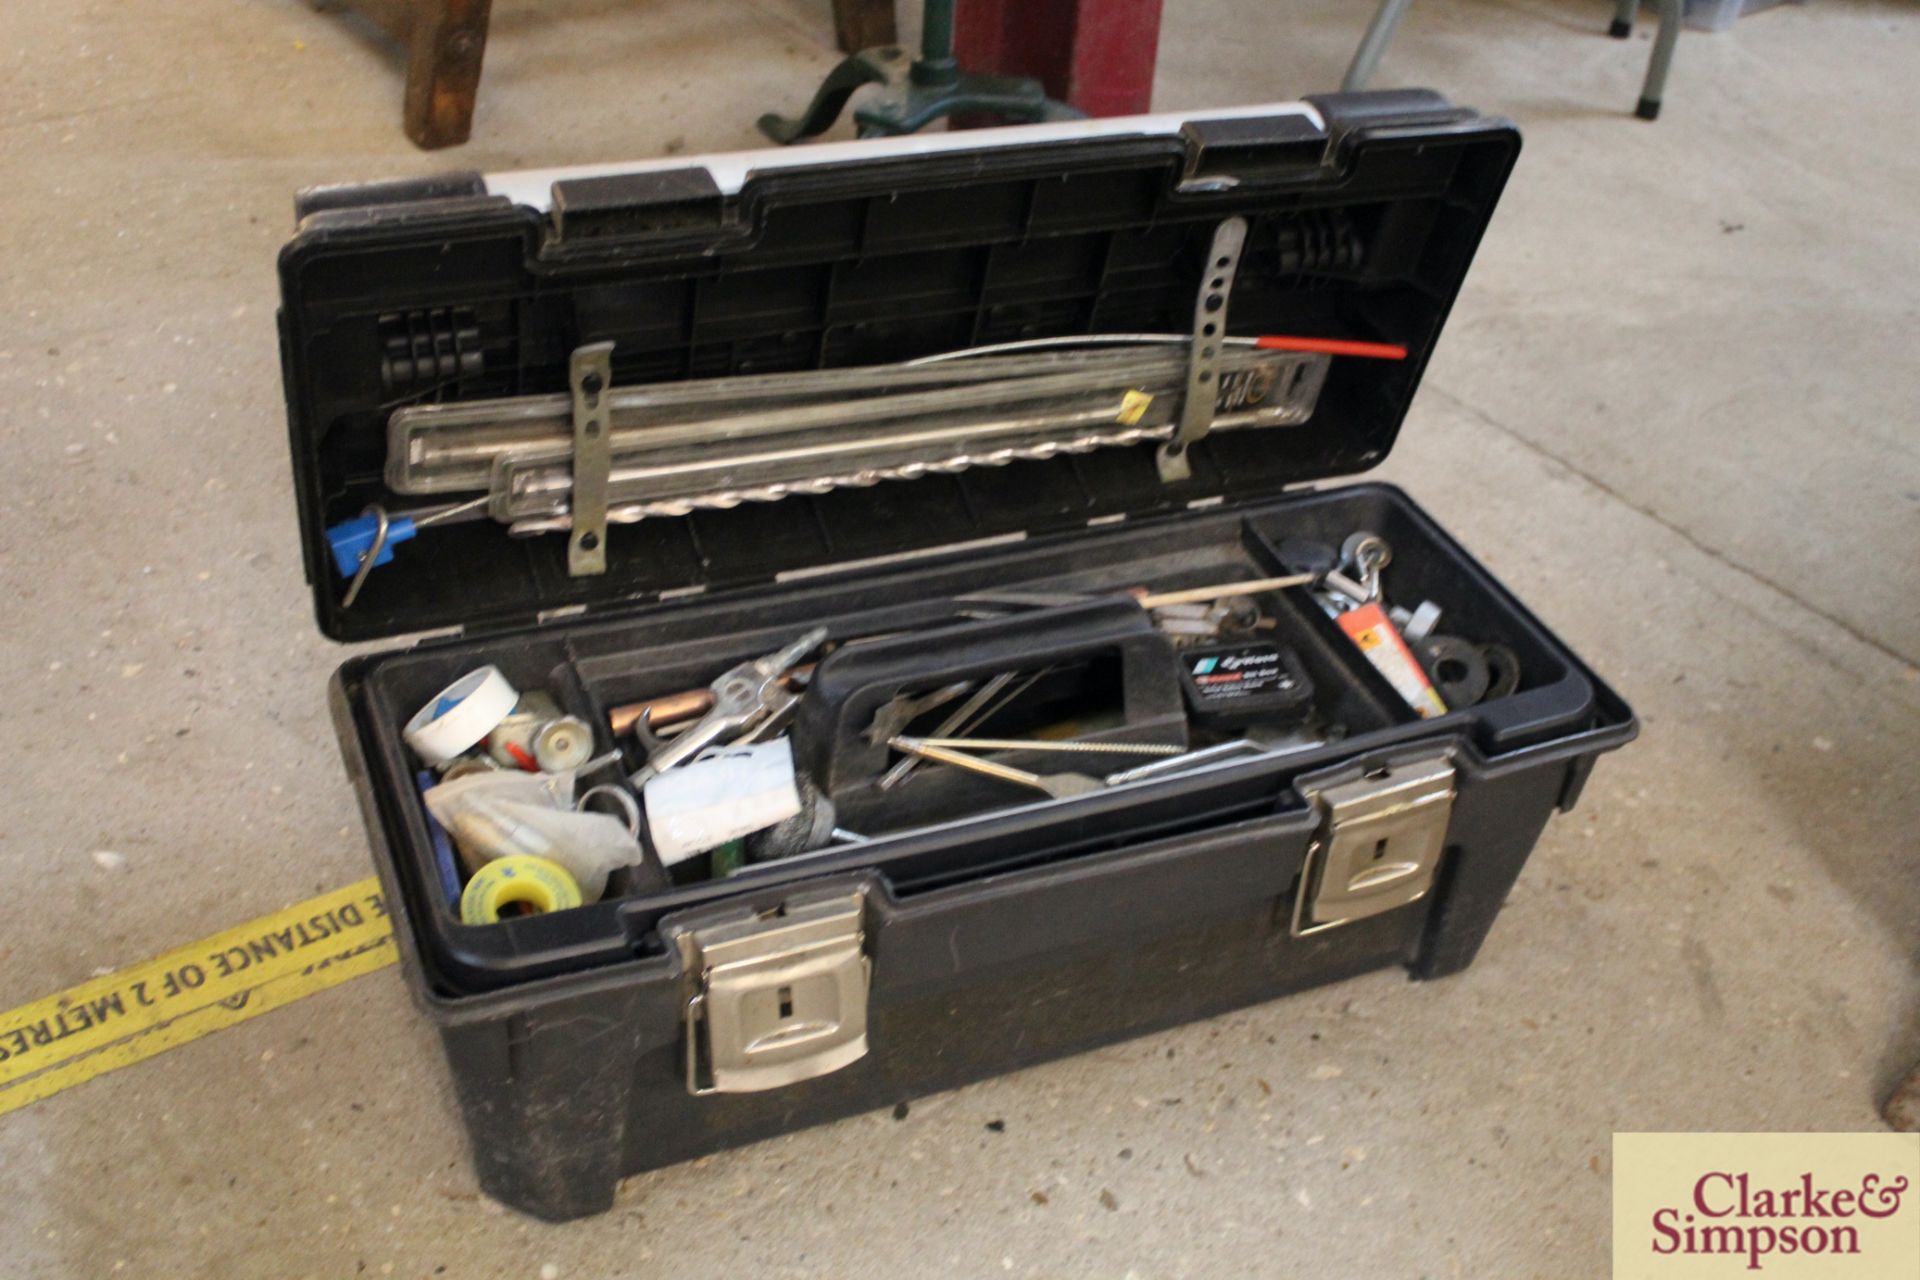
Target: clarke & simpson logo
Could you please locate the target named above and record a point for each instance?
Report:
(1726, 1215)
(1779, 1204)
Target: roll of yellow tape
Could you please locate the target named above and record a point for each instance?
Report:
(538, 884)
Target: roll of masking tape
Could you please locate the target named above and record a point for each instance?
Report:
(522, 880)
(460, 715)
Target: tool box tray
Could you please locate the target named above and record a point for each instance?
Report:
(977, 930)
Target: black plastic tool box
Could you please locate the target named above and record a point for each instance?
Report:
(590, 1044)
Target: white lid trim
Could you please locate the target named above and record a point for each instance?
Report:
(730, 170)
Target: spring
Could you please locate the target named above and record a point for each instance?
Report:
(1320, 242)
(429, 346)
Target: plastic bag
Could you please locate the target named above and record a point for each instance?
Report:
(494, 815)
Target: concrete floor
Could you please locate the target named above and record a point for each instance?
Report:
(1675, 410)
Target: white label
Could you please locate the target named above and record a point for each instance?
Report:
(729, 793)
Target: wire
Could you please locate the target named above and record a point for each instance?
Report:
(1265, 342)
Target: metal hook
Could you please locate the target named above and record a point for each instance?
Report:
(643, 733)
(367, 557)
(1367, 554)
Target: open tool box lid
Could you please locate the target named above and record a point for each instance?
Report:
(1364, 212)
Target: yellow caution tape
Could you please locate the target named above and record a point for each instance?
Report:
(123, 1017)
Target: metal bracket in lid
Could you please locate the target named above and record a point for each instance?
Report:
(1209, 328)
(589, 376)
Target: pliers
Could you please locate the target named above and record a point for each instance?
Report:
(746, 699)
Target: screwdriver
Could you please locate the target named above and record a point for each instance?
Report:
(1057, 785)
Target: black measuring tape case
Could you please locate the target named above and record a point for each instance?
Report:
(1229, 686)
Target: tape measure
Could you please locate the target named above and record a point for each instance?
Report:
(1230, 686)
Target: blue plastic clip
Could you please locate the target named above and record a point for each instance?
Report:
(351, 538)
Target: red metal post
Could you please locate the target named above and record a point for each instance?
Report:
(1097, 55)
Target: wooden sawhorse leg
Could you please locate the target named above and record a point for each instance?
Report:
(445, 41)
(445, 46)
(864, 24)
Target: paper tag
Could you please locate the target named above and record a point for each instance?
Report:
(722, 796)
(1373, 633)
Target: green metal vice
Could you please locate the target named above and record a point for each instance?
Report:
(914, 93)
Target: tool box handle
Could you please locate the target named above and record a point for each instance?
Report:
(853, 683)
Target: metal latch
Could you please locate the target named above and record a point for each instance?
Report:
(1379, 845)
(781, 996)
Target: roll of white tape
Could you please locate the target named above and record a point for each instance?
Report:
(460, 715)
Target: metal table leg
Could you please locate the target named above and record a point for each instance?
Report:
(1648, 107)
(1374, 43)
